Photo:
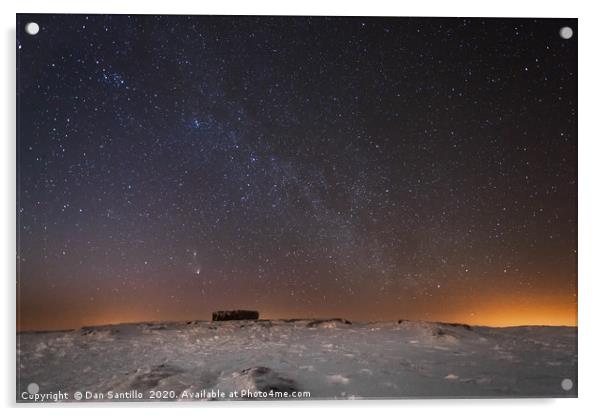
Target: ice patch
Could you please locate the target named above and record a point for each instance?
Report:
(337, 379)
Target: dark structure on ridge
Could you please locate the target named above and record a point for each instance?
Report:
(235, 315)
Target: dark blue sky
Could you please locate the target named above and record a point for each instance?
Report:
(370, 168)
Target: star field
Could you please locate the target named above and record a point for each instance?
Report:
(370, 168)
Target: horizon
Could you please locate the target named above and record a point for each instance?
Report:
(270, 317)
(67, 329)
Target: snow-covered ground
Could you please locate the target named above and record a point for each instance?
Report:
(330, 359)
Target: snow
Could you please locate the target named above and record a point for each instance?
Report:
(330, 359)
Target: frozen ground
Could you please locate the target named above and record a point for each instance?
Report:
(330, 359)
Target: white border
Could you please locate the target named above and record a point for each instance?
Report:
(590, 178)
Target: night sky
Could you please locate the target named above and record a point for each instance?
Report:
(365, 168)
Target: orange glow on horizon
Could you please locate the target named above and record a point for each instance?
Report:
(489, 309)
(500, 318)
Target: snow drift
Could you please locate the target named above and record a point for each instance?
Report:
(330, 359)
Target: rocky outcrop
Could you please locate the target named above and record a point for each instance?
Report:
(328, 323)
(258, 379)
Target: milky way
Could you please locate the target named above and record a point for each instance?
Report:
(370, 168)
